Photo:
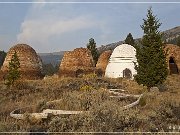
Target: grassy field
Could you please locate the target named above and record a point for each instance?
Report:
(158, 111)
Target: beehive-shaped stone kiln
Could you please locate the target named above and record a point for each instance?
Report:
(173, 58)
(30, 62)
(121, 62)
(76, 62)
(103, 61)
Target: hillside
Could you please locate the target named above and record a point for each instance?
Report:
(157, 111)
(170, 36)
(53, 58)
(89, 103)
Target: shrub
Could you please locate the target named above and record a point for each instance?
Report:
(101, 112)
(162, 87)
(107, 117)
(86, 88)
(61, 124)
(169, 110)
(9, 127)
(41, 106)
(20, 85)
(142, 101)
(90, 76)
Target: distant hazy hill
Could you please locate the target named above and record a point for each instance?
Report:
(169, 36)
(55, 58)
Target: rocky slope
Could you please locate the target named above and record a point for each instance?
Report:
(169, 36)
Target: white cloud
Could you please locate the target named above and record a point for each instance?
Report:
(43, 22)
(41, 30)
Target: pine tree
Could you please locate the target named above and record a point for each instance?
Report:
(152, 66)
(92, 47)
(129, 40)
(13, 70)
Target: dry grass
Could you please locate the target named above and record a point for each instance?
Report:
(157, 110)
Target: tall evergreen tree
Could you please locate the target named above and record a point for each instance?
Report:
(129, 40)
(92, 47)
(152, 66)
(13, 70)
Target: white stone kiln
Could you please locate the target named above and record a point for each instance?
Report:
(122, 62)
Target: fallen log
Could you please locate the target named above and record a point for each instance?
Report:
(123, 94)
(16, 116)
(23, 116)
(116, 90)
(44, 114)
(132, 104)
(58, 112)
(47, 112)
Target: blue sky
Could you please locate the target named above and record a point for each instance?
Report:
(49, 27)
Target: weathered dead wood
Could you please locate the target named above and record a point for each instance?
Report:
(132, 104)
(46, 112)
(123, 95)
(116, 90)
(58, 112)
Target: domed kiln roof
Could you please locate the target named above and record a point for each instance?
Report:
(30, 62)
(124, 50)
(22, 46)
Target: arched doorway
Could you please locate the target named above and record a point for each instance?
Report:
(127, 73)
(172, 66)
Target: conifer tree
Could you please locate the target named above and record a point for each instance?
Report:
(92, 47)
(152, 66)
(13, 70)
(129, 40)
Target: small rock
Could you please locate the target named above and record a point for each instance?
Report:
(154, 89)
